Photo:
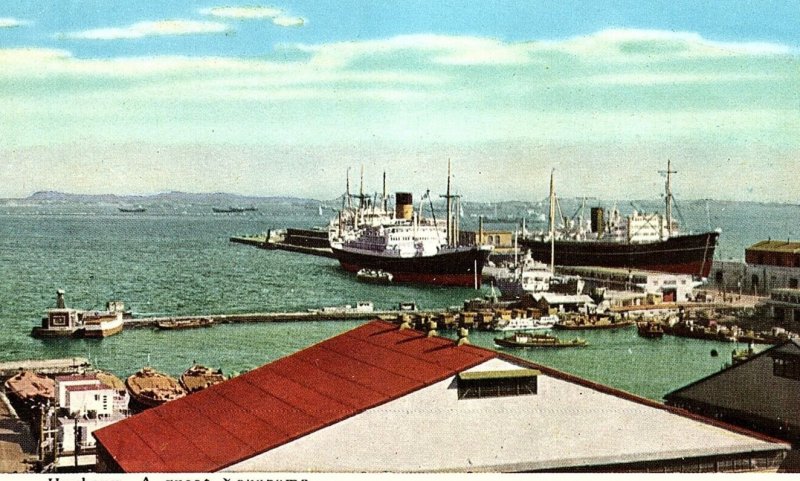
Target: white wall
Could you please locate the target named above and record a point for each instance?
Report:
(564, 424)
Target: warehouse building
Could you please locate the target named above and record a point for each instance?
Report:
(380, 398)
(768, 265)
(761, 393)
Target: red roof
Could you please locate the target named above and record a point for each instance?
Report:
(88, 387)
(77, 377)
(286, 399)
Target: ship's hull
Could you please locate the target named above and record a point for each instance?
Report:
(103, 329)
(687, 254)
(459, 268)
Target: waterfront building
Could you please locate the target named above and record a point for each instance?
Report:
(380, 398)
(85, 404)
(783, 306)
(80, 394)
(760, 393)
(670, 287)
(499, 239)
(554, 303)
(768, 265)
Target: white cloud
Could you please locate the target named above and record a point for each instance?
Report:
(648, 45)
(248, 12)
(646, 78)
(286, 21)
(441, 49)
(277, 15)
(151, 29)
(7, 22)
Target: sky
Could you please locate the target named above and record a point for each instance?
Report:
(105, 96)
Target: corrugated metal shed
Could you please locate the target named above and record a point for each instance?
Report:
(284, 400)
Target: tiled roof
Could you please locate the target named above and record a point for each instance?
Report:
(88, 387)
(77, 377)
(286, 399)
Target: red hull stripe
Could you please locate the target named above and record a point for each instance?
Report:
(463, 280)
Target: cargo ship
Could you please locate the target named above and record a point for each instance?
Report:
(410, 247)
(638, 241)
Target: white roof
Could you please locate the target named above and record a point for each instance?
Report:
(553, 298)
(566, 424)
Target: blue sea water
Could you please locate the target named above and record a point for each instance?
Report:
(177, 260)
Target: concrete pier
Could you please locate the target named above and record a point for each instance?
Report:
(279, 317)
(51, 367)
(261, 242)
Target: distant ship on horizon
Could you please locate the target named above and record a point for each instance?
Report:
(132, 209)
(229, 210)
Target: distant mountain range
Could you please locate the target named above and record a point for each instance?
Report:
(216, 198)
(509, 209)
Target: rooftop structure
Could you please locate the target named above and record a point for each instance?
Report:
(759, 393)
(378, 398)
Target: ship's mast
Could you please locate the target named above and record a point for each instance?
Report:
(552, 222)
(668, 196)
(347, 192)
(449, 209)
(385, 205)
(449, 198)
(361, 189)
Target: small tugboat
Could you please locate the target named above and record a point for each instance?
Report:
(175, 324)
(68, 322)
(150, 388)
(524, 339)
(373, 276)
(650, 330)
(199, 377)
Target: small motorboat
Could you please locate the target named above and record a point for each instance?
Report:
(373, 276)
(650, 330)
(525, 339)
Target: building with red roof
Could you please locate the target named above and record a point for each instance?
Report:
(379, 398)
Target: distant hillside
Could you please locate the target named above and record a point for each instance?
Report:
(216, 198)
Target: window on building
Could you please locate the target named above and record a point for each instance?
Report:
(483, 384)
(786, 365)
(96, 397)
(793, 283)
